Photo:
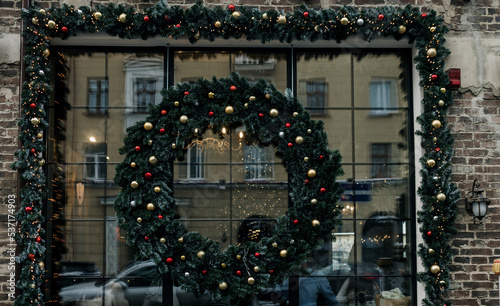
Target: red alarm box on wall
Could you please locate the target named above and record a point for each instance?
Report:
(454, 76)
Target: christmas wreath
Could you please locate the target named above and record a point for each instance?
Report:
(145, 206)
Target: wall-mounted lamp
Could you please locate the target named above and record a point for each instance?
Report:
(475, 203)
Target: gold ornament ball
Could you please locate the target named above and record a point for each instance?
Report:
(46, 52)
(264, 16)
(153, 160)
(283, 253)
(123, 18)
(51, 24)
(315, 222)
(211, 95)
(441, 197)
(157, 189)
(441, 103)
(181, 239)
(436, 124)
(200, 254)
(306, 159)
(134, 184)
(163, 240)
(309, 131)
(39, 135)
(344, 21)
(150, 142)
(432, 29)
(183, 119)
(150, 207)
(435, 139)
(268, 96)
(431, 162)
(41, 264)
(35, 121)
(246, 105)
(174, 146)
(299, 139)
(431, 251)
(311, 173)
(273, 112)
(295, 114)
(34, 20)
(238, 257)
(229, 110)
(139, 220)
(148, 126)
(133, 165)
(197, 36)
(251, 281)
(41, 163)
(256, 269)
(236, 14)
(223, 265)
(97, 15)
(42, 11)
(402, 29)
(176, 103)
(281, 19)
(33, 286)
(223, 286)
(252, 98)
(275, 245)
(314, 201)
(443, 90)
(218, 24)
(442, 282)
(183, 257)
(431, 52)
(435, 269)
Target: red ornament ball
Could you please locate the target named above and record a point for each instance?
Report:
(204, 272)
(257, 254)
(424, 15)
(295, 222)
(33, 105)
(186, 93)
(160, 217)
(146, 19)
(162, 131)
(429, 233)
(232, 88)
(231, 7)
(290, 144)
(169, 260)
(146, 238)
(322, 190)
(178, 25)
(271, 271)
(38, 239)
(31, 256)
(434, 77)
(437, 149)
(28, 209)
(163, 112)
(238, 273)
(306, 181)
(64, 29)
(261, 115)
(137, 149)
(167, 18)
(321, 157)
(211, 114)
(288, 125)
(33, 151)
(148, 175)
(306, 14)
(380, 17)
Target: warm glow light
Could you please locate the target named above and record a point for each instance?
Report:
(92, 139)
(224, 130)
(241, 135)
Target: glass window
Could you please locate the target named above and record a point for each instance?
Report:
(258, 163)
(316, 95)
(383, 96)
(98, 96)
(144, 94)
(194, 167)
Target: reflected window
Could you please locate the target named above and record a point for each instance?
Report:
(194, 168)
(259, 163)
(98, 96)
(383, 96)
(316, 92)
(381, 155)
(95, 161)
(144, 94)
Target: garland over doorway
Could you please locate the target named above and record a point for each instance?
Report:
(425, 30)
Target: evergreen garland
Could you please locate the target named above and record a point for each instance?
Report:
(426, 30)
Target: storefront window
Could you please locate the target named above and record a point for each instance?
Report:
(230, 188)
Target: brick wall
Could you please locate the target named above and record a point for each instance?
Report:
(474, 117)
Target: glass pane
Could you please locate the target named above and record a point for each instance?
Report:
(324, 79)
(255, 66)
(380, 83)
(191, 66)
(338, 126)
(381, 139)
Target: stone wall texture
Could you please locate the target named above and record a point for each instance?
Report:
(474, 41)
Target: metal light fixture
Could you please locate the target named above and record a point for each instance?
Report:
(475, 203)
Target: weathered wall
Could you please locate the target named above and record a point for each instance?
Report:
(474, 41)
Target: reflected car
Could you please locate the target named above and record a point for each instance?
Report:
(133, 287)
(74, 272)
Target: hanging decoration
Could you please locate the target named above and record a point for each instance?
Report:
(424, 30)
